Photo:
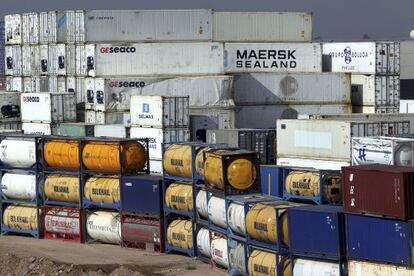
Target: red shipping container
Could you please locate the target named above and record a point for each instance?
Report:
(379, 190)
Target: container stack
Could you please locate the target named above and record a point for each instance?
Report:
(161, 120)
(375, 68)
(21, 185)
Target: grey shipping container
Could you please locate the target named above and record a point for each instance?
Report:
(2, 48)
(75, 129)
(262, 26)
(148, 25)
(9, 105)
(11, 124)
(375, 90)
(375, 109)
(407, 70)
(202, 119)
(299, 88)
(70, 27)
(262, 141)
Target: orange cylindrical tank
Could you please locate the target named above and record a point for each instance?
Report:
(178, 160)
(62, 154)
(105, 156)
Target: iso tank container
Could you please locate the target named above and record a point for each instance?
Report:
(47, 27)
(148, 25)
(13, 29)
(30, 60)
(379, 240)
(50, 107)
(70, 27)
(22, 219)
(63, 223)
(272, 57)
(379, 190)
(30, 29)
(19, 186)
(359, 268)
(37, 128)
(329, 139)
(159, 111)
(157, 59)
(13, 60)
(9, 105)
(362, 57)
(143, 232)
(383, 150)
(14, 84)
(104, 226)
(262, 26)
(278, 88)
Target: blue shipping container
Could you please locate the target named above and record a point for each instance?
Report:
(269, 175)
(142, 194)
(317, 231)
(378, 239)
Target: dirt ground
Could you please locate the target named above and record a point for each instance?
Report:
(29, 256)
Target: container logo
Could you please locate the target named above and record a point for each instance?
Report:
(266, 59)
(31, 99)
(145, 108)
(138, 84)
(348, 55)
(116, 50)
(362, 155)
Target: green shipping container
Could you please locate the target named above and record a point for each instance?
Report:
(75, 129)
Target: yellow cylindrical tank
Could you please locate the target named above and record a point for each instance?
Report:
(199, 163)
(105, 156)
(103, 189)
(179, 196)
(240, 173)
(21, 217)
(261, 223)
(62, 188)
(263, 263)
(307, 184)
(180, 234)
(62, 154)
(178, 161)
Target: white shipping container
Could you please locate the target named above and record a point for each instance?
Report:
(328, 139)
(9, 105)
(202, 119)
(158, 136)
(30, 28)
(156, 166)
(80, 60)
(90, 98)
(13, 60)
(48, 27)
(117, 131)
(14, 84)
(44, 84)
(57, 59)
(247, 116)
(272, 57)
(37, 128)
(70, 27)
(30, 60)
(159, 112)
(375, 109)
(112, 118)
(158, 59)
(312, 163)
(70, 62)
(13, 29)
(406, 106)
(44, 59)
(358, 268)
(362, 57)
(299, 88)
(50, 107)
(148, 25)
(262, 26)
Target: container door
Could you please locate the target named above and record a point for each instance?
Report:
(44, 60)
(17, 61)
(80, 90)
(53, 84)
(71, 85)
(52, 27)
(27, 84)
(80, 62)
(61, 60)
(90, 94)
(69, 107)
(43, 28)
(199, 126)
(382, 58)
(35, 59)
(169, 112)
(61, 84)
(79, 26)
(57, 108)
(43, 84)
(70, 60)
(100, 95)
(26, 60)
(182, 112)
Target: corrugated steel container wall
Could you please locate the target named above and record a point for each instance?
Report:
(80, 63)
(379, 190)
(246, 116)
(358, 268)
(30, 60)
(12, 125)
(48, 27)
(13, 29)
(75, 129)
(13, 60)
(2, 48)
(202, 119)
(379, 240)
(262, 26)
(14, 84)
(70, 27)
(69, 62)
(117, 131)
(57, 59)
(270, 88)
(375, 110)
(272, 57)
(159, 59)
(317, 231)
(30, 28)
(142, 195)
(44, 59)
(407, 69)
(148, 25)
(80, 90)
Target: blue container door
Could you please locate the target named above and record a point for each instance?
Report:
(270, 181)
(378, 239)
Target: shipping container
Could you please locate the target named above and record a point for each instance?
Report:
(80, 60)
(89, 61)
(272, 57)
(48, 27)
(407, 69)
(142, 195)
(317, 231)
(117, 131)
(11, 125)
(44, 59)
(379, 240)
(262, 26)
(271, 88)
(80, 89)
(37, 84)
(157, 59)
(9, 105)
(148, 25)
(69, 62)
(30, 60)
(75, 129)
(70, 27)
(90, 98)
(307, 163)
(374, 90)
(14, 84)
(13, 60)
(246, 115)
(158, 136)
(329, 139)
(57, 59)
(156, 167)
(362, 57)
(50, 107)
(159, 111)
(359, 268)
(375, 110)
(37, 128)
(379, 190)
(202, 119)
(30, 29)
(262, 141)
(406, 106)
(113, 118)
(13, 29)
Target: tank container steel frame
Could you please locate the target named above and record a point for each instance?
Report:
(279, 263)
(191, 252)
(35, 233)
(211, 225)
(198, 254)
(198, 218)
(56, 203)
(37, 201)
(232, 244)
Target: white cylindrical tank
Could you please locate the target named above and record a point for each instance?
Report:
(203, 242)
(18, 153)
(237, 259)
(219, 251)
(217, 211)
(201, 204)
(236, 218)
(104, 226)
(19, 186)
(314, 268)
(57, 220)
